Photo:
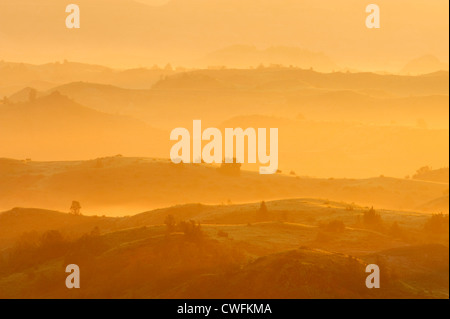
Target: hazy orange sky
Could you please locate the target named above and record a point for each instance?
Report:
(127, 33)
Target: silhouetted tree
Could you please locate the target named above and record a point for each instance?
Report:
(170, 223)
(263, 208)
(191, 230)
(372, 219)
(422, 171)
(75, 208)
(168, 67)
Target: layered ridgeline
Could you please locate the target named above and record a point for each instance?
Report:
(122, 186)
(155, 95)
(149, 34)
(353, 125)
(56, 126)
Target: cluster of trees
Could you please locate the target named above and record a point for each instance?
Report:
(75, 208)
(192, 230)
(372, 219)
(437, 224)
(231, 169)
(427, 173)
(32, 249)
(156, 268)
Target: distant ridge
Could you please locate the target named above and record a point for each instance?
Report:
(424, 65)
(245, 56)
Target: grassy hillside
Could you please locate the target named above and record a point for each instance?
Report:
(123, 186)
(291, 249)
(434, 175)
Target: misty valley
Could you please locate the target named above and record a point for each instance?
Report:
(205, 149)
(345, 189)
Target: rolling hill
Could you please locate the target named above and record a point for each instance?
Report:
(286, 252)
(244, 56)
(210, 94)
(123, 186)
(28, 129)
(15, 76)
(424, 65)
